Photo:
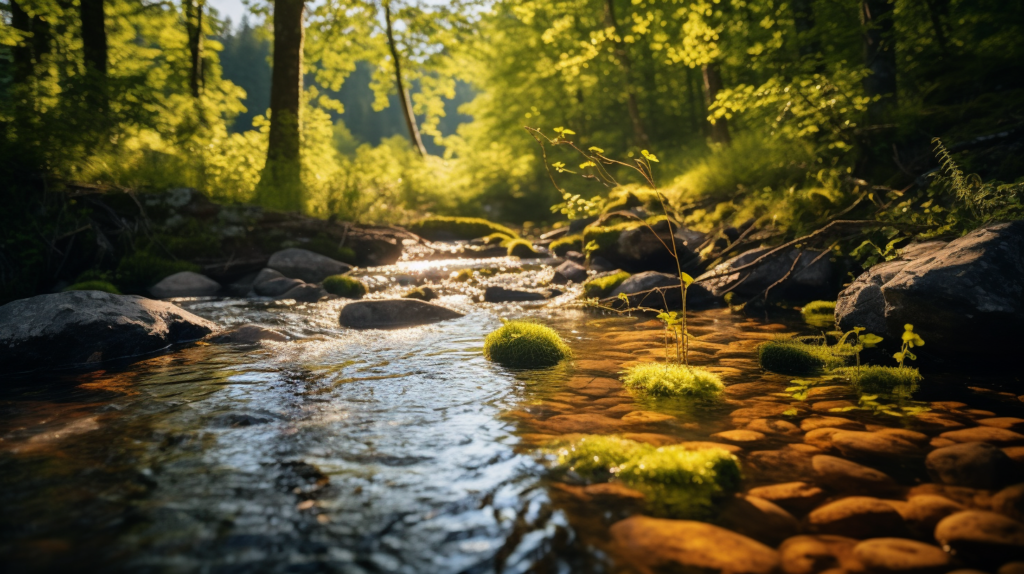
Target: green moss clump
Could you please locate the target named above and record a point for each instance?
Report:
(329, 247)
(521, 248)
(498, 239)
(900, 381)
(141, 270)
(421, 293)
(94, 285)
(795, 357)
(669, 379)
(345, 286)
(522, 344)
(603, 286)
(681, 466)
(596, 454)
(440, 228)
(820, 313)
(462, 275)
(607, 236)
(563, 245)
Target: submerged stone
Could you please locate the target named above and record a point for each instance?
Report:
(858, 517)
(973, 464)
(893, 555)
(393, 313)
(812, 554)
(982, 536)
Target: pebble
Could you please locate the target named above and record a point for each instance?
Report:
(796, 497)
(700, 445)
(1009, 423)
(822, 553)
(686, 544)
(981, 536)
(900, 555)
(580, 423)
(913, 437)
(924, 511)
(873, 444)
(972, 464)
(1011, 568)
(822, 437)
(816, 422)
(739, 435)
(857, 517)
(937, 420)
(1010, 501)
(646, 417)
(827, 406)
(844, 475)
(760, 410)
(777, 465)
(759, 519)
(773, 426)
(939, 442)
(991, 435)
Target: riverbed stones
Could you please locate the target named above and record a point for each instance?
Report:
(393, 313)
(924, 511)
(809, 276)
(759, 519)
(812, 554)
(816, 422)
(305, 293)
(84, 328)
(991, 435)
(569, 271)
(271, 283)
(773, 426)
(857, 517)
(502, 295)
(892, 555)
(306, 265)
(796, 497)
(247, 335)
(981, 536)
(972, 464)
(1009, 423)
(1010, 501)
(687, 544)
(645, 282)
(821, 437)
(873, 445)
(185, 284)
(844, 475)
(739, 435)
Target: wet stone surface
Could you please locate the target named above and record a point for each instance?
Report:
(335, 450)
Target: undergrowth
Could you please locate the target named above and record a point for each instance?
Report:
(522, 344)
(670, 379)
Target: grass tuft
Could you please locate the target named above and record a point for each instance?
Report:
(901, 381)
(672, 380)
(795, 357)
(820, 313)
(440, 228)
(95, 285)
(524, 345)
(603, 286)
(345, 286)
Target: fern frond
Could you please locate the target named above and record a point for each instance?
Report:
(962, 185)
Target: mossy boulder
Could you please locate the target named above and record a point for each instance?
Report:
(563, 245)
(424, 293)
(820, 313)
(453, 228)
(672, 380)
(345, 286)
(94, 285)
(602, 285)
(522, 248)
(796, 357)
(900, 381)
(522, 344)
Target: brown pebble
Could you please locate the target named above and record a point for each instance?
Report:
(739, 435)
(816, 422)
(991, 435)
(900, 555)
(797, 497)
(857, 517)
(816, 554)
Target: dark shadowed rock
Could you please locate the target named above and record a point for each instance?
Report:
(813, 554)
(858, 517)
(847, 476)
(393, 313)
(247, 335)
(982, 536)
(797, 497)
(184, 284)
(1010, 501)
(83, 328)
(503, 295)
(569, 271)
(305, 293)
(973, 464)
(306, 265)
(640, 249)
(759, 519)
(645, 282)
(270, 283)
(807, 280)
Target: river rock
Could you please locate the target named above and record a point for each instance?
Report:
(184, 284)
(873, 445)
(900, 555)
(1011, 568)
(858, 517)
(773, 426)
(645, 282)
(85, 328)
(393, 313)
(810, 554)
(806, 281)
(247, 335)
(924, 511)
(306, 265)
(1010, 501)
(965, 298)
(816, 422)
(270, 283)
(569, 271)
(639, 249)
(796, 497)
(759, 519)
(844, 475)
(991, 435)
(1009, 423)
(305, 293)
(503, 295)
(687, 544)
(972, 464)
(981, 536)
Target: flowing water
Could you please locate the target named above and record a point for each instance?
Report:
(387, 451)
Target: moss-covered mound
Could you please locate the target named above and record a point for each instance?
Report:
(603, 286)
(900, 381)
(422, 293)
(563, 245)
(498, 239)
(462, 275)
(521, 344)
(521, 248)
(820, 313)
(597, 454)
(345, 286)
(606, 236)
(447, 228)
(795, 357)
(672, 380)
(95, 285)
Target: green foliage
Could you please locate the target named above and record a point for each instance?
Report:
(439, 227)
(521, 248)
(603, 286)
(422, 293)
(525, 345)
(330, 248)
(669, 379)
(598, 454)
(900, 381)
(910, 340)
(819, 313)
(94, 285)
(563, 245)
(345, 286)
(501, 239)
(796, 357)
(141, 270)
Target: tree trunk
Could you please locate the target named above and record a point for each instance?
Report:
(22, 53)
(693, 98)
(194, 27)
(712, 85)
(879, 56)
(94, 36)
(937, 9)
(403, 93)
(803, 21)
(639, 134)
(281, 184)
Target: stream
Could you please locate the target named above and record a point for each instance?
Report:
(392, 451)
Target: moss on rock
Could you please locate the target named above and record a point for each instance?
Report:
(603, 286)
(669, 379)
(94, 285)
(563, 245)
(597, 454)
(900, 381)
(422, 293)
(795, 357)
(522, 344)
(443, 228)
(521, 248)
(345, 286)
(820, 313)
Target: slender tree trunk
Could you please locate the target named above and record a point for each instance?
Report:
(937, 9)
(403, 93)
(879, 55)
(693, 100)
(639, 134)
(713, 85)
(194, 27)
(281, 183)
(94, 36)
(22, 53)
(803, 21)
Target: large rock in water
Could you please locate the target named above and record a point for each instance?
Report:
(270, 283)
(185, 284)
(84, 328)
(393, 313)
(306, 265)
(965, 299)
(645, 282)
(809, 277)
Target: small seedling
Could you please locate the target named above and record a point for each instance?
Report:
(910, 340)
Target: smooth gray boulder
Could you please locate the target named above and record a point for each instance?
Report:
(569, 271)
(393, 313)
(810, 277)
(306, 265)
(965, 298)
(645, 282)
(503, 295)
(305, 293)
(184, 284)
(270, 283)
(85, 328)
